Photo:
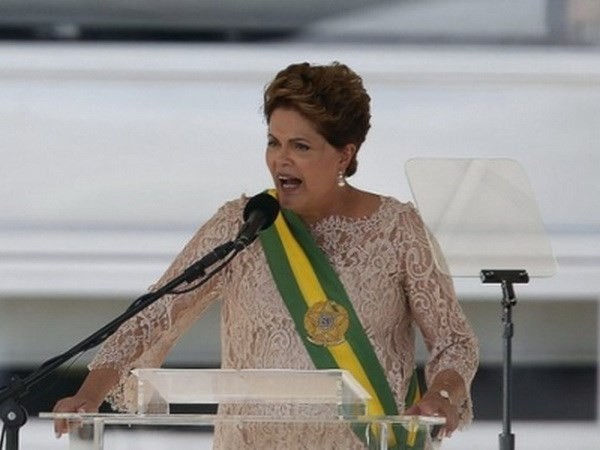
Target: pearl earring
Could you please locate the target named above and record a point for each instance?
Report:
(341, 179)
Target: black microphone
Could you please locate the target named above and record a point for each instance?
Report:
(259, 214)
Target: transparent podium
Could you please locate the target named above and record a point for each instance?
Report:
(256, 408)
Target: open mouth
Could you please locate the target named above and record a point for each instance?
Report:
(288, 182)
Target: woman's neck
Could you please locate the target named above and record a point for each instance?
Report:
(350, 203)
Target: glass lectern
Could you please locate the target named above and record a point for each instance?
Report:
(302, 400)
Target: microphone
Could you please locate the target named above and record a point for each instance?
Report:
(259, 214)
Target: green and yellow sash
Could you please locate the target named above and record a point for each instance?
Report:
(313, 293)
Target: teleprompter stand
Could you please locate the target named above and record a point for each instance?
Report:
(482, 213)
(506, 278)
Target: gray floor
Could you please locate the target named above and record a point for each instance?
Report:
(38, 434)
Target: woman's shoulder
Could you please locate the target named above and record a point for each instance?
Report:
(403, 215)
(228, 214)
(372, 205)
(392, 206)
(234, 205)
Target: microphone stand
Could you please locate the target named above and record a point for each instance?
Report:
(14, 415)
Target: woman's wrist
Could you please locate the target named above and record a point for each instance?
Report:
(98, 384)
(449, 386)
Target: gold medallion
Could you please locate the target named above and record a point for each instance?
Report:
(326, 323)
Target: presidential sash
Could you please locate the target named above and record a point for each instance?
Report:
(325, 318)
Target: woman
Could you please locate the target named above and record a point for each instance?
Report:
(376, 249)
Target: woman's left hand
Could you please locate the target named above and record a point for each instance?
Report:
(434, 404)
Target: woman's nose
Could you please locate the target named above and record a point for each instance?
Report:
(283, 155)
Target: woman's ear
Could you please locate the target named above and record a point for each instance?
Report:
(347, 153)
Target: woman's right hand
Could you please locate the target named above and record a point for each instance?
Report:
(76, 404)
(88, 399)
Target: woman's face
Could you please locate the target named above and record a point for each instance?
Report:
(304, 166)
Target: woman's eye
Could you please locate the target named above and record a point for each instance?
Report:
(302, 147)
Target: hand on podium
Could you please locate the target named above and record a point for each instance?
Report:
(435, 405)
(78, 404)
(442, 400)
(88, 399)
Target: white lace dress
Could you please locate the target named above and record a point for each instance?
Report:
(386, 265)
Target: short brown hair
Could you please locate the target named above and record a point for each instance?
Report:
(332, 97)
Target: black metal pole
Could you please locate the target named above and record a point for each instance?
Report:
(507, 438)
(506, 278)
(12, 438)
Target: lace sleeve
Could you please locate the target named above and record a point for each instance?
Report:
(145, 339)
(448, 336)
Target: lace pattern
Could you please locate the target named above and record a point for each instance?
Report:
(386, 265)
